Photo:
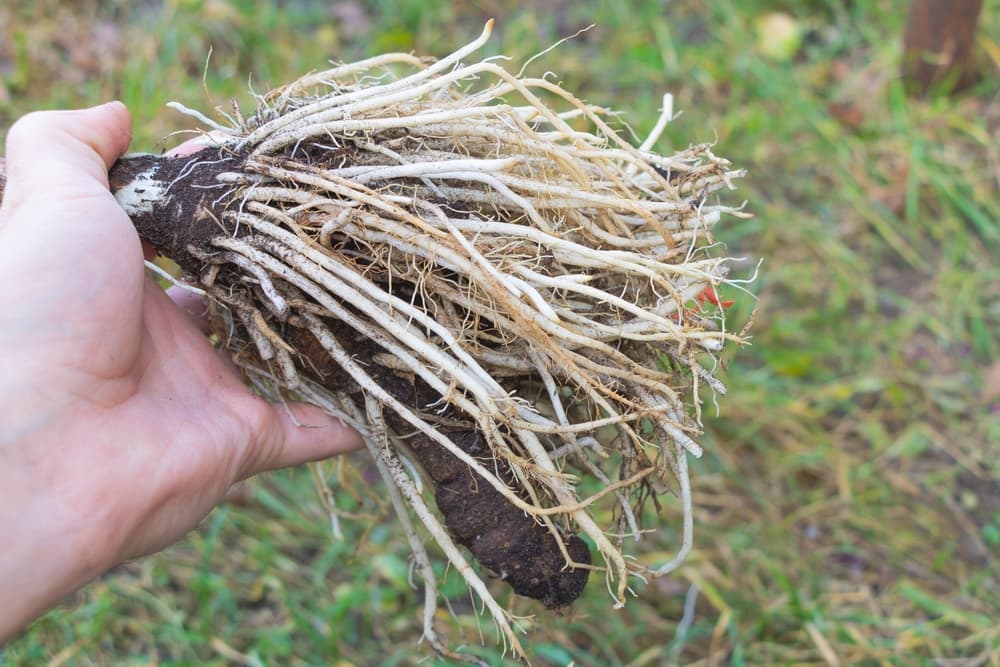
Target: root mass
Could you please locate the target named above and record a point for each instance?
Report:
(476, 270)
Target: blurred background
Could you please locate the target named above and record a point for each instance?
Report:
(848, 503)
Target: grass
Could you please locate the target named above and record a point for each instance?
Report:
(848, 505)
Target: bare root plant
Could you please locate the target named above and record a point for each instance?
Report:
(472, 267)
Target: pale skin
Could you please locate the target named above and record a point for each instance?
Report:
(120, 426)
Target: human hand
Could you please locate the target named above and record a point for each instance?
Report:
(122, 427)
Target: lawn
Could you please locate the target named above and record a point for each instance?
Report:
(848, 504)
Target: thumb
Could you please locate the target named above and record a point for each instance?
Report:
(63, 153)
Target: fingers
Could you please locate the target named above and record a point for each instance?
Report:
(294, 434)
(192, 146)
(64, 152)
(193, 305)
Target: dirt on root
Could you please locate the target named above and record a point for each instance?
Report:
(513, 545)
(519, 549)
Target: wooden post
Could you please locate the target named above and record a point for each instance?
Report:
(937, 45)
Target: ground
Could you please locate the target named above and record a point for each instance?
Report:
(848, 504)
